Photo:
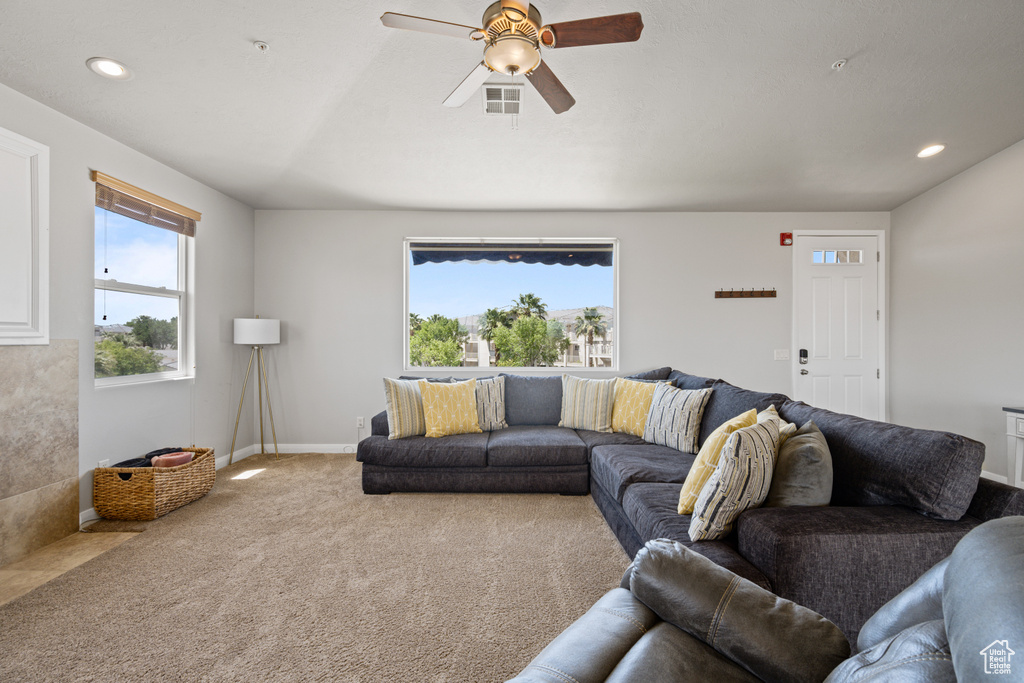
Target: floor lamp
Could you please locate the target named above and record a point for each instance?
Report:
(257, 332)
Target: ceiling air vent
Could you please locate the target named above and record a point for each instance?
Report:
(502, 99)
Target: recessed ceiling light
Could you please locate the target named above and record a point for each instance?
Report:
(109, 68)
(930, 151)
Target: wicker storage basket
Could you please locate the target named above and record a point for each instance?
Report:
(149, 492)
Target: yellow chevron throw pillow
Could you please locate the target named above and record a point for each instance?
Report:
(632, 403)
(450, 408)
(707, 459)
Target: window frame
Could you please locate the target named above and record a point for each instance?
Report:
(492, 369)
(184, 297)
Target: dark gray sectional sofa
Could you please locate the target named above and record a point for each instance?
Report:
(901, 500)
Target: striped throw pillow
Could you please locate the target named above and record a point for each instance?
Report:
(707, 459)
(631, 405)
(674, 417)
(490, 403)
(587, 403)
(740, 482)
(404, 407)
(449, 408)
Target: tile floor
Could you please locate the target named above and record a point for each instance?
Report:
(48, 563)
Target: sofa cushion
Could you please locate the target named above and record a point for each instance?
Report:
(490, 403)
(777, 640)
(615, 468)
(587, 403)
(532, 400)
(681, 380)
(651, 510)
(666, 653)
(674, 418)
(728, 401)
(707, 459)
(877, 463)
(404, 407)
(524, 446)
(450, 409)
(595, 439)
(845, 562)
(803, 470)
(656, 374)
(631, 405)
(918, 653)
(739, 483)
(461, 450)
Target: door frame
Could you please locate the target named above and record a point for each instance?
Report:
(883, 308)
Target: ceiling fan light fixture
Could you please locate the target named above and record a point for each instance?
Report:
(512, 54)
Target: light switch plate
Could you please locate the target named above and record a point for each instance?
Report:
(781, 354)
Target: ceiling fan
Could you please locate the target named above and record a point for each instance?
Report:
(513, 34)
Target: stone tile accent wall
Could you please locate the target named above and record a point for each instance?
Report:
(38, 446)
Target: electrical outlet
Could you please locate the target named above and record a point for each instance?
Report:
(781, 354)
(103, 463)
(360, 423)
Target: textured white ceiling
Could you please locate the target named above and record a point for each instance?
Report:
(721, 104)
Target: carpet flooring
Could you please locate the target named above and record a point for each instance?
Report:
(294, 574)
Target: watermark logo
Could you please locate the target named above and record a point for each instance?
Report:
(997, 657)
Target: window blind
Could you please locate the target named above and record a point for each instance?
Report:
(135, 203)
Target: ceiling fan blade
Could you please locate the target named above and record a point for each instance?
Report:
(469, 85)
(551, 89)
(617, 28)
(442, 28)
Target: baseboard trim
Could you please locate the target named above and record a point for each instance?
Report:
(86, 516)
(994, 477)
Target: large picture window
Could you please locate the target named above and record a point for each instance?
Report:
(511, 303)
(141, 259)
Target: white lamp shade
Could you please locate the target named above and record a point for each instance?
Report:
(257, 331)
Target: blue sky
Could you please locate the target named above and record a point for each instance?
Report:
(137, 253)
(463, 288)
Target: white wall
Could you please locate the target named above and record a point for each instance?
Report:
(120, 422)
(335, 280)
(957, 304)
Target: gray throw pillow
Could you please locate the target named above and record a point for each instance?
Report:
(803, 470)
(532, 400)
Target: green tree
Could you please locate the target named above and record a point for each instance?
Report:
(490, 322)
(437, 343)
(526, 343)
(589, 324)
(113, 359)
(414, 323)
(156, 334)
(528, 305)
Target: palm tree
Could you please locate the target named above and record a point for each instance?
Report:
(492, 320)
(589, 324)
(527, 305)
(414, 323)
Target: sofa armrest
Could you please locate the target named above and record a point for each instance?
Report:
(845, 562)
(379, 424)
(594, 644)
(773, 638)
(993, 500)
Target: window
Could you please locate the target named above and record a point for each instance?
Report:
(141, 258)
(511, 303)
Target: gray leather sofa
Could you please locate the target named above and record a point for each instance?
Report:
(679, 617)
(901, 497)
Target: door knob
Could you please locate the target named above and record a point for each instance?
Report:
(804, 372)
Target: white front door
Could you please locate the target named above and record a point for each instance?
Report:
(837, 315)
